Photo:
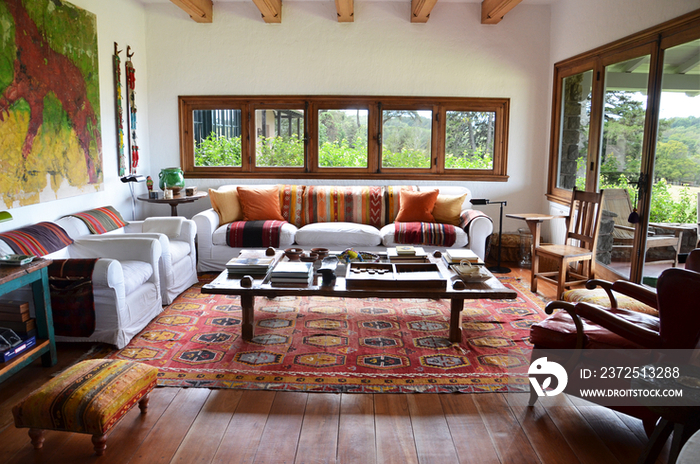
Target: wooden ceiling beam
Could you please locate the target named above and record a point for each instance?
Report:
(420, 10)
(200, 11)
(346, 10)
(271, 10)
(493, 11)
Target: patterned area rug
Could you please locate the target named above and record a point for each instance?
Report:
(341, 345)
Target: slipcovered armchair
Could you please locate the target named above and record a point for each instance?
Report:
(125, 285)
(178, 260)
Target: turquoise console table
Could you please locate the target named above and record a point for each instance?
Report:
(35, 274)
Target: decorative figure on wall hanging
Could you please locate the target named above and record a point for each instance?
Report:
(121, 159)
(131, 101)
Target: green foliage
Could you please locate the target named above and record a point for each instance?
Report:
(478, 160)
(218, 151)
(665, 209)
(279, 151)
(405, 158)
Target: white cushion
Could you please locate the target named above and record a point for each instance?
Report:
(340, 234)
(136, 273)
(73, 226)
(287, 233)
(387, 234)
(178, 250)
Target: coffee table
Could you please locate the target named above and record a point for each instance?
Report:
(491, 289)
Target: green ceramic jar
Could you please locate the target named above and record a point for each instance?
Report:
(172, 177)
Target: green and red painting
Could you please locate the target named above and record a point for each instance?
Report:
(50, 140)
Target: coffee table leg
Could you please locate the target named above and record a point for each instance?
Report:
(456, 306)
(247, 308)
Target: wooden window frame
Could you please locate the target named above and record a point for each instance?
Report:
(311, 104)
(651, 41)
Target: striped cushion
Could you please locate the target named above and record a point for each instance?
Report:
(39, 239)
(599, 297)
(89, 397)
(291, 200)
(101, 220)
(358, 204)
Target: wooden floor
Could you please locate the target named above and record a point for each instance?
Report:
(199, 425)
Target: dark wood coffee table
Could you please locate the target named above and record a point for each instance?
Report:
(491, 289)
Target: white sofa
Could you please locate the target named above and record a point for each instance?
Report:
(125, 282)
(178, 262)
(214, 252)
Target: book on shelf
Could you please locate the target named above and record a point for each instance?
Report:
(457, 255)
(19, 317)
(292, 269)
(17, 350)
(20, 327)
(14, 306)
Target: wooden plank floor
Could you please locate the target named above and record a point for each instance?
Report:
(234, 426)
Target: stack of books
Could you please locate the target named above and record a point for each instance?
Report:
(292, 273)
(457, 255)
(14, 315)
(407, 254)
(250, 266)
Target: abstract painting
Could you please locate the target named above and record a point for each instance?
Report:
(50, 141)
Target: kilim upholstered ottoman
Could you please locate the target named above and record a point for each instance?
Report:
(89, 397)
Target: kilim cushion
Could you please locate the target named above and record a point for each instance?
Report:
(599, 297)
(89, 397)
(358, 204)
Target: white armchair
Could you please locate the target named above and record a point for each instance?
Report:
(125, 282)
(178, 261)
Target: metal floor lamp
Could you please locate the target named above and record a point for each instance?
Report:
(498, 269)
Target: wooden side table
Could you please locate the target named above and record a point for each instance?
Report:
(35, 273)
(173, 202)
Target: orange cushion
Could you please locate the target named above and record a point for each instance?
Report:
(447, 209)
(260, 204)
(225, 203)
(417, 206)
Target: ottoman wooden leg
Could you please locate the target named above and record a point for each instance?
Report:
(100, 443)
(37, 436)
(143, 403)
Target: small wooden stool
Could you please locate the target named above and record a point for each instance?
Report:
(89, 397)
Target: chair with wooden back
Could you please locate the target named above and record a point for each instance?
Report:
(579, 247)
(618, 201)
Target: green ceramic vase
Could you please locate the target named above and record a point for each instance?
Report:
(172, 177)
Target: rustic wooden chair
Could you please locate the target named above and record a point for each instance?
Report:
(618, 201)
(579, 247)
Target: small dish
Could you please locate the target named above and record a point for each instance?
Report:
(309, 258)
(16, 260)
(321, 252)
(293, 253)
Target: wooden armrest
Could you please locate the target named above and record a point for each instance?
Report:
(677, 230)
(571, 309)
(605, 285)
(636, 291)
(617, 226)
(644, 337)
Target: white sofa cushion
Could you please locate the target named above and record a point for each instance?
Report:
(136, 273)
(340, 234)
(287, 233)
(387, 234)
(178, 250)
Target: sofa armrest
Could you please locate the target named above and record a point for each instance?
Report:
(206, 223)
(120, 248)
(478, 228)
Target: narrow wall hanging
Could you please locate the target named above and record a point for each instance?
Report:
(131, 102)
(121, 158)
(50, 130)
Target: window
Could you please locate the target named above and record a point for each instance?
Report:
(344, 137)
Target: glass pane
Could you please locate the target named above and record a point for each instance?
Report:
(279, 138)
(674, 199)
(469, 139)
(406, 137)
(342, 138)
(217, 137)
(573, 135)
(621, 157)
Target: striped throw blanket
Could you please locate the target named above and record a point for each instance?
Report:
(254, 233)
(72, 300)
(101, 220)
(469, 215)
(39, 239)
(424, 233)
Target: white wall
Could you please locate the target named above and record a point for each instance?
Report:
(123, 22)
(381, 53)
